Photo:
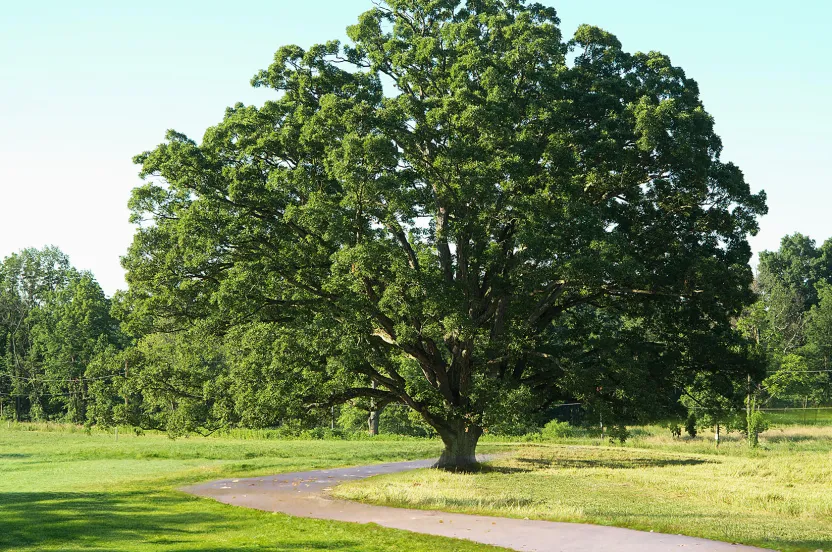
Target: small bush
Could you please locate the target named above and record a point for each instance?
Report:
(755, 425)
(618, 432)
(557, 430)
(690, 425)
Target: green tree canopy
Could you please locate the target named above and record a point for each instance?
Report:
(787, 281)
(792, 318)
(54, 320)
(463, 209)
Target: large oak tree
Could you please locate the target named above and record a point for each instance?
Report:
(461, 212)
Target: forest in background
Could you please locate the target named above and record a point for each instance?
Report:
(69, 353)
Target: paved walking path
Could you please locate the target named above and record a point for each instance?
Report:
(303, 494)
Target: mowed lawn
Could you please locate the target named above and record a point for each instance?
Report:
(72, 491)
(779, 496)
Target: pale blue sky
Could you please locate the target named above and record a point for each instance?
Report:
(85, 85)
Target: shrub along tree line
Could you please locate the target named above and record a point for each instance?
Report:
(460, 215)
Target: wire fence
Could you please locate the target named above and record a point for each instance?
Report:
(817, 415)
(810, 415)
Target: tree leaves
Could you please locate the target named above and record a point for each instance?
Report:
(54, 321)
(449, 208)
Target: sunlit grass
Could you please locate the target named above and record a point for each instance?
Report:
(61, 489)
(778, 496)
(65, 490)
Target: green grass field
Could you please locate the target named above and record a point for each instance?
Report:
(64, 490)
(778, 496)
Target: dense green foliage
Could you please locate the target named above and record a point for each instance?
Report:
(449, 225)
(791, 322)
(66, 357)
(54, 322)
(461, 212)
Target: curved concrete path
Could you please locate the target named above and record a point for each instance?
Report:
(303, 494)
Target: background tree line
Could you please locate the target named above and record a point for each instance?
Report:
(69, 353)
(55, 324)
(789, 325)
(791, 321)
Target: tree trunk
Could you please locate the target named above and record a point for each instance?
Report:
(460, 447)
(372, 422)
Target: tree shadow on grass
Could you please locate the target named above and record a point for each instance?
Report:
(35, 519)
(128, 520)
(486, 468)
(795, 437)
(614, 463)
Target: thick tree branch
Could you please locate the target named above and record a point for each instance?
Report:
(399, 234)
